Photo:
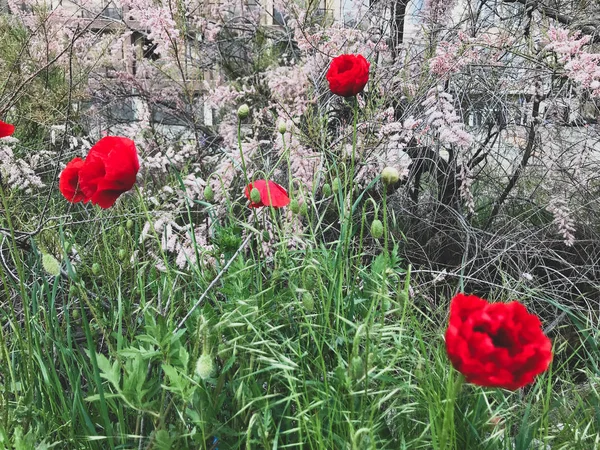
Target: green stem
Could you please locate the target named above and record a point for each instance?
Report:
(448, 422)
(349, 188)
(239, 139)
(385, 224)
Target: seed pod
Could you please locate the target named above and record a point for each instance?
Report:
(255, 195)
(95, 268)
(376, 229)
(209, 195)
(121, 231)
(243, 111)
(129, 224)
(75, 314)
(326, 190)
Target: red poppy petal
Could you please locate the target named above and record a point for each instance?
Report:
(6, 129)
(274, 195)
(271, 194)
(106, 198)
(110, 169)
(68, 183)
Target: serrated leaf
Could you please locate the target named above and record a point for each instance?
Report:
(111, 373)
(228, 364)
(177, 382)
(162, 440)
(184, 357)
(135, 379)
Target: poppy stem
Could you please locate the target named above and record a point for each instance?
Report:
(385, 223)
(239, 139)
(448, 428)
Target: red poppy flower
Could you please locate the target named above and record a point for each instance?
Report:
(348, 75)
(6, 129)
(496, 344)
(69, 181)
(271, 194)
(109, 170)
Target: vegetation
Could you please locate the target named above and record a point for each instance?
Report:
(180, 318)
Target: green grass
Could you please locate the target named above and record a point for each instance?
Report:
(315, 348)
(320, 347)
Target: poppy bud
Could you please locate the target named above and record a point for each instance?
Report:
(377, 229)
(308, 301)
(304, 209)
(121, 230)
(402, 297)
(75, 314)
(243, 111)
(390, 175)
(72, 289)
(122, 254)
(295, 206)
(326, 190)
(95, 268)
(129, 224)
(419, 370)
(336, 184)
(209, 195)
(357, 367)
(386, 304)
(205, 367)
(255, 195)
(310, 277)
(282, 127)
(50, 264)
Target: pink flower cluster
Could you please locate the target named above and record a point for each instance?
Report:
(442, 117)
(452, 57)
(580, 66)
(437, 11)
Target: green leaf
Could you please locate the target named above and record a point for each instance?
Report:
(177, 382)
(162, 440)
(111, 373)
